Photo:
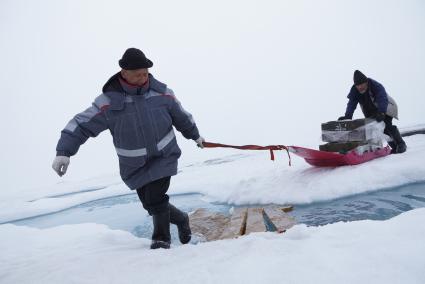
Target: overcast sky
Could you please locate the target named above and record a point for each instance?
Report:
(265, 72)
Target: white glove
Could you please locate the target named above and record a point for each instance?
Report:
(60, 164)
(199, 141)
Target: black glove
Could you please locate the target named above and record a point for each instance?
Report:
(380, 116)
(342, 118)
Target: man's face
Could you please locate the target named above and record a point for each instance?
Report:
(135, 77)
(362, 88)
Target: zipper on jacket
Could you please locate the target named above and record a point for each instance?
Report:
(136, 102)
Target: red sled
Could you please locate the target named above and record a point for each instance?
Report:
(332, 159)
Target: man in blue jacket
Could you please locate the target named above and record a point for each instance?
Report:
(375, 103)
(140, 112)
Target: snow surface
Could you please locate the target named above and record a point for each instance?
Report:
(389, 251)
(240, 178)
(412, 128)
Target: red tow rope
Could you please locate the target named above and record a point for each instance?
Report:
(271, 148)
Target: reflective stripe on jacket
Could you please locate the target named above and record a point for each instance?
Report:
(141, 127)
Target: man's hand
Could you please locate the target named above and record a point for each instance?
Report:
(380, 116)
(342, 118)
(199, 142)
(60, 165)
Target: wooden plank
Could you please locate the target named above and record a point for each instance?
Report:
(212, 226)
(255, 221)
(236, 226)
(280, 219)
(286, 208)
(208, 224)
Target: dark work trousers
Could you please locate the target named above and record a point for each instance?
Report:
(153, 196)
(388, 125)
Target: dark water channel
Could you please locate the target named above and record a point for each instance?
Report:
(376, 205)
(126, 213)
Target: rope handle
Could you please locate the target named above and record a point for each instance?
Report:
(271, 148)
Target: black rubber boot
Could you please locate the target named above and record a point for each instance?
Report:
(161, 237)
(181, 219)
(398, 140)
(393, 146)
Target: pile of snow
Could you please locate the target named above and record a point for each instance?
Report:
(241, 178)
(389, 251)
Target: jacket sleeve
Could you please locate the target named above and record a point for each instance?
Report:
(351, 105)
(182, 120)
(88, 123)
(381, 96)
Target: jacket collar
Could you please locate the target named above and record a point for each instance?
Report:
(133, 89)
(116, 91)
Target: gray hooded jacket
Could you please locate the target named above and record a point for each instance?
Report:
(141, 123)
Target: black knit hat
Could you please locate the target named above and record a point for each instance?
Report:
(359, 78)
(134, 58)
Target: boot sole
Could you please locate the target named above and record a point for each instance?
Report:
(160, 244)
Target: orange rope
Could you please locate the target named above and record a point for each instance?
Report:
(271, 148)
